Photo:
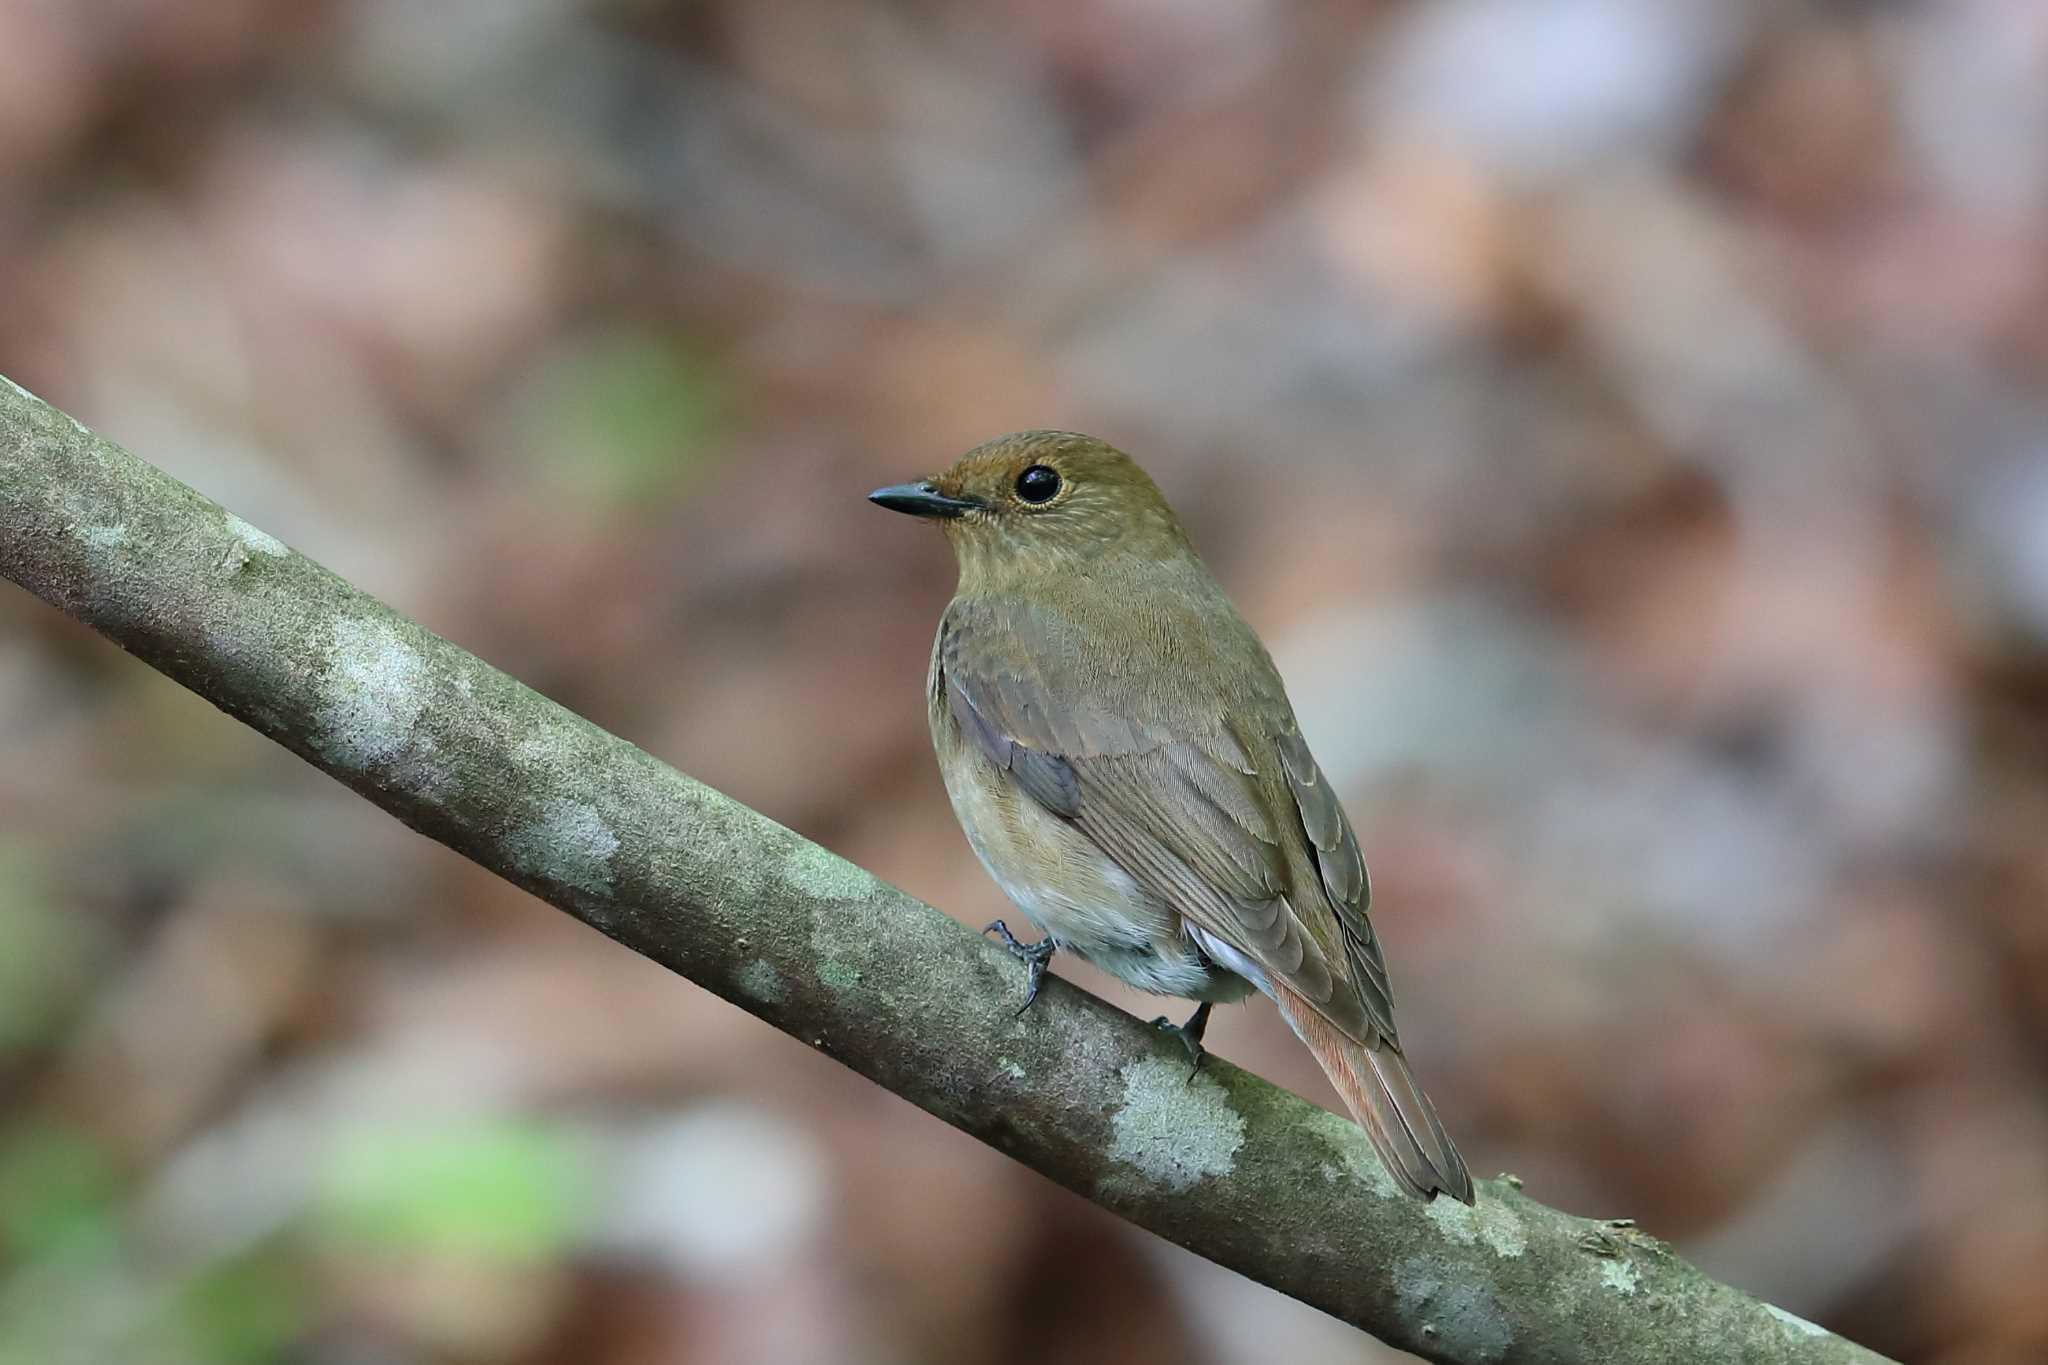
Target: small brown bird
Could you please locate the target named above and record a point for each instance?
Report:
(1123, 757)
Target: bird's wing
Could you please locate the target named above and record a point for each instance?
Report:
(1225, 817)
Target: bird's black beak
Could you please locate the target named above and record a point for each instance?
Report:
(922, 500)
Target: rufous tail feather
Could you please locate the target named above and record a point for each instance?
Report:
(1383, 1097)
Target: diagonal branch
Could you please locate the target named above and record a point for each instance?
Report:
(1230, 1167)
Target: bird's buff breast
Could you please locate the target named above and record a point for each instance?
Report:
(1066, 885)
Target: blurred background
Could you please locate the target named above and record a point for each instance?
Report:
(1627, 421)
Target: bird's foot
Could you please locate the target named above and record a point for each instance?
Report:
(1190, 1035)
(1034, 956)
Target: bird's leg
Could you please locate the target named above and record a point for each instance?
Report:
(1190, 1034)
(1034, 956)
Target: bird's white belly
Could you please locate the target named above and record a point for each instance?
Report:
(1077, 894)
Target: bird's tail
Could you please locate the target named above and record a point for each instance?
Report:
(1383, 1097)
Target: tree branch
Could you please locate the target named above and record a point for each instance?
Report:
(1228, 1166)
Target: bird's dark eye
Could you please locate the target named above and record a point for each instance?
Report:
(1038, 483)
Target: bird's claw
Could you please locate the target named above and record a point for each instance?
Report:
(1034, 956)
(1190, 1035)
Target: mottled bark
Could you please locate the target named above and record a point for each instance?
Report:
(1228, 1166)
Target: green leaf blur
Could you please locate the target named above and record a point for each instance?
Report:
(618, 416)
(490, 1191)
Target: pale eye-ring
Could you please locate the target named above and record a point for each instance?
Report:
(1038, 483)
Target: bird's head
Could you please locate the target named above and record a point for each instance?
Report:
(1041, 501)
